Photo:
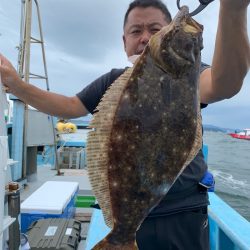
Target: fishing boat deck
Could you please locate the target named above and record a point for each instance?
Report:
(44, 173)
(228, 230)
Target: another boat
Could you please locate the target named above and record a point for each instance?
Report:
(244, 134)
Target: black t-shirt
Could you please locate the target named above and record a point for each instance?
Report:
(185, 193)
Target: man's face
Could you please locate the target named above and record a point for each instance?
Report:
(141, 24)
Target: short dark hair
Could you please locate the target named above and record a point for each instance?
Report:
(158, 4)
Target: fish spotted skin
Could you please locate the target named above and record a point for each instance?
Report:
(147, 130)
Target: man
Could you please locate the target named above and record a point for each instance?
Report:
(180, 220)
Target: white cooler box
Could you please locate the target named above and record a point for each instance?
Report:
(54, 199)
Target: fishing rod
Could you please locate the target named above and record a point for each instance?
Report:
(203, 5)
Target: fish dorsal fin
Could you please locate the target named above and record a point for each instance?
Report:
(98, 144)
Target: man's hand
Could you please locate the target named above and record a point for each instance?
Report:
(9, 76)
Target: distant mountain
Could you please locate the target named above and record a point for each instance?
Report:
(208, 127)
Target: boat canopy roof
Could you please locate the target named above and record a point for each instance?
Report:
(247, 131)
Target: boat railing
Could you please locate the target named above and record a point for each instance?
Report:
(228, 229)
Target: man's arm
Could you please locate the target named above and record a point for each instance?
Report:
(231, 58)
(47, 102)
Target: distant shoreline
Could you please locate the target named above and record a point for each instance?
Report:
(213, 128)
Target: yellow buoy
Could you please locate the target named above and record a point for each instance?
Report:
(60, 126)
(70, 127)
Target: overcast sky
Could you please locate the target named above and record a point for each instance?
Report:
(83, 39)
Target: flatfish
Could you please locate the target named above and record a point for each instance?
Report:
(146, 130)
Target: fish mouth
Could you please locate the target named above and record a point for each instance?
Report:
(192, 27)
(186, 21)
(179, 57)
(178, 43)
(185, 50)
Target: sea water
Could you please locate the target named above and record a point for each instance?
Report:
(229, 161)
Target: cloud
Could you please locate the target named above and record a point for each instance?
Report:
(85, 29)
(227, 116)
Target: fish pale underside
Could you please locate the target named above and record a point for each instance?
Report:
(146, 130)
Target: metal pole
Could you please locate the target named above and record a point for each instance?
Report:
(26, 72)
(14, 211)
(47, 81)
(21, 43)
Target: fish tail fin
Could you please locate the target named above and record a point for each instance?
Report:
(106, 245)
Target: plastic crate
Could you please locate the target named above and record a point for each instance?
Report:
(53, 233)
(71, 157)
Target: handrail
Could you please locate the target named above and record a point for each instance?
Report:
(227, 227)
